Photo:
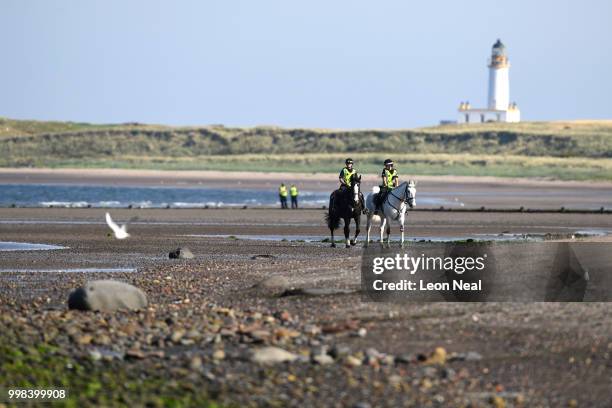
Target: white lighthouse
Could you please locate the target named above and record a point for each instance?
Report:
(499, 108)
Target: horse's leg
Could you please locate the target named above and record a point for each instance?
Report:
(388, 234)
(357, 230)
(347, 231)
(368, 226)
(402, 230)
(383, 223)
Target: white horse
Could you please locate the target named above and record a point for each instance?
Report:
(393, 209)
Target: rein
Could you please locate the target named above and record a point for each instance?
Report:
(404, 200)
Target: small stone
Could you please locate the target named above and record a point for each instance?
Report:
(95, 355)
(84, 339)
(227, 331)
(498, 402)
(177, 335)
(395, 379)
(322, 359)
(362, 332)
(181, 253)
(282, 333)
(312, 330)
(469, 356)
(195, 363)
(338, 351)
(430, 372)
(193, 334)
(218, 354)
(272, 355)
(373, 353)
(352, 361)
(448, 373)
(426, 383)
(284, 316)
(404, 358)
(260, 335)
(437, 357)
(135, 354)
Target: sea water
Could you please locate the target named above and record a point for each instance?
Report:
(82, 196)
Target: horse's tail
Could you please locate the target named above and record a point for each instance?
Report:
(375, 189)
(331, 218)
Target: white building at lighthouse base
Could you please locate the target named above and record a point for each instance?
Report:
(467, 114)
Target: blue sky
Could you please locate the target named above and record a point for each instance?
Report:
(332, 64)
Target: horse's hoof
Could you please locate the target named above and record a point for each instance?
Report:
(347, 246)
(333, 245)
(353, 243)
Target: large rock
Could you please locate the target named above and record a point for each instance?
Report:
(181, 253)
(107, 295)
(274, 282)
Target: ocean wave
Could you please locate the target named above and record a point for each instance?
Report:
(65, 204)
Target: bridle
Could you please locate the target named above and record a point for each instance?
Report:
(405, 200)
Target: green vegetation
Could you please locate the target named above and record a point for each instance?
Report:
(565, 150)
(92, 383)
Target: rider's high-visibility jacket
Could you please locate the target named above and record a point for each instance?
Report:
(388, 176)
(282, 191)
(293, 191)
(346, 174)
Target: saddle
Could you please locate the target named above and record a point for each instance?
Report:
(379, 199)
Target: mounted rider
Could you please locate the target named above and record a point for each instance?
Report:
(390, 180)
(346, 174)
(345, 177)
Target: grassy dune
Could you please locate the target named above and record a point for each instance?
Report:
(565, 150)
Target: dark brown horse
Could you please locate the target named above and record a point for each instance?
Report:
(344, 204)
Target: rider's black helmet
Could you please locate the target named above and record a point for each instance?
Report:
(348, 161)
(388, 162)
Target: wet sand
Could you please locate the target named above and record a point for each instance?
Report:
(525, 354)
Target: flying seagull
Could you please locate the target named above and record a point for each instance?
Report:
(119, 231)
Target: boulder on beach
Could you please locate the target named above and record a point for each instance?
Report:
(107, 295)
(272, 286)
(274, 282)
(272, 355)
(181, 253)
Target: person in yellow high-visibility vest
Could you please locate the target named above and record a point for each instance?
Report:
(282, 193)
(390, 180)
(293, 192)
(345, 174)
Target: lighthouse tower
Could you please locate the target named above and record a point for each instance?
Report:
(499, 108)
(499, 80)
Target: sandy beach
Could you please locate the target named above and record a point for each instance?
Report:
(533, 354)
